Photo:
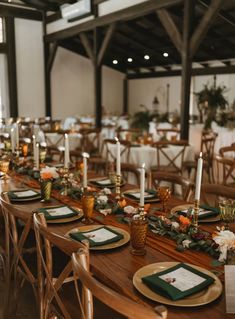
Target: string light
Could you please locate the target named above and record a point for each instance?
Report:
(146, 57)
(115, 61)
(165, 54)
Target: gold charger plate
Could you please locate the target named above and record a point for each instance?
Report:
(121, 242)
(211, 219)
(65, 220)
(203, 297)
(94, 181)
(150, 200)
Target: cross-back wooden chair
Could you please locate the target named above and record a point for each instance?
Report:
(225, 170)
(121, 304)
(170, 156)
(20, 255)
(211, 194)
(110, 150)
(49, 286)
(186, 186)
(53, 147)
(91, 141)
(207, 148)
(130, 173)
(228, 151)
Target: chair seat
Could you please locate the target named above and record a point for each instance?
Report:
(162, 168)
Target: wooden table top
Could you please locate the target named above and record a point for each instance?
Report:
(116, 267)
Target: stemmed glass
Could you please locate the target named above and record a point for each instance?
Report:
(227, 211)
(164, 194)
(4, 167)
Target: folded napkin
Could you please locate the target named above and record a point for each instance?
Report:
(149, 194)
(178, 282)
(102, 182)
(205, 211)
(58, 212)
(23, 194)
(98, 237)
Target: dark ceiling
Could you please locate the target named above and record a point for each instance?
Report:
(146, 36)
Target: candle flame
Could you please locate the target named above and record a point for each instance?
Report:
(143, 165)
(33, 136)
(116, 139)
(37, 145)
(85, 155)
(200, 155)
(65, 135)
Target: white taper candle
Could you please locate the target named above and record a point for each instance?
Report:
(142, 184)
(66, 151)
(13, 140)
(199, 177)
(37, 157)
(118, 159)
(17, 138)
(85, 157)
(34, 149)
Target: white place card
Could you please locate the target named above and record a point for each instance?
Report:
(27, 193)
(59, 211)
(137, 195)
(104, 182)
(182, 279)
(100, 235)
(229, 274)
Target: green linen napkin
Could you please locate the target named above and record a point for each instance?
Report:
(178, 282)
(212, 211)
(151, 194)
(50, 212)
(99, 182)
(13, 194)
(112, 236)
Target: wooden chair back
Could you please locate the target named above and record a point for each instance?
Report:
(129, 171)
(228, 151)
(170, 155)
(110, 150)
(186, 186)
(48, 286)
(211, 194)
(225, 170)
(208, 146)
(109, 297)
(90, 141)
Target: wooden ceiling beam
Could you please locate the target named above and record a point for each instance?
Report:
(195, 72)
(19, 12)
(106, 42)
(87, 45)
(51, 57)
(171, 28)
(204, 25)
(128, 13)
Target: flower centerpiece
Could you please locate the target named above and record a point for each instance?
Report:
(225, 239)
(47, 175)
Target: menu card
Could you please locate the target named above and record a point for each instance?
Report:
(178, 282)
(98, 237)
(229, 272)
(27, 193)
(58, 212)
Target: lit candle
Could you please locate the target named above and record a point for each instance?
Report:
(118, 159)
(85, 157)
(37, 157)
(142, 184)
(17, 135)
(34, 149)
(66, 151)
(13, 140)
(199, 177)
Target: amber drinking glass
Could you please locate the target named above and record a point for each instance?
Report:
(164, 194)
(138, 231)
(25, 150)
(88, 202)
(4, 168)
(227, 211)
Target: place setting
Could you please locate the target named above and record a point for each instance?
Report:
(60, 214)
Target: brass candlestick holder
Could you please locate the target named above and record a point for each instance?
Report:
(64, 174)
(195, 213)
(118, 186)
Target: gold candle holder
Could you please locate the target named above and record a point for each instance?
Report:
(138, 230)
(64, 174)
(195, 213)
(118, 186)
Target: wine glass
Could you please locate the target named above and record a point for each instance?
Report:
(227, 211)
(4, 168)
(164, 194)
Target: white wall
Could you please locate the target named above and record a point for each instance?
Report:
(73, 88)
(142, 91)
(30, 68)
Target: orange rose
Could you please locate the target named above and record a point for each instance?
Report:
(46, 175)
(146, 207)
(184, 220)
(122, 203)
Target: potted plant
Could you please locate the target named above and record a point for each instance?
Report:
(210, 100)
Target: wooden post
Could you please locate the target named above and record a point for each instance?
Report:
(186, 68)
(47, 73)
(125, 95)
(97, 80)
(11, 64)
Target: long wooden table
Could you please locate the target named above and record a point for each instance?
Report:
(117, 267)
